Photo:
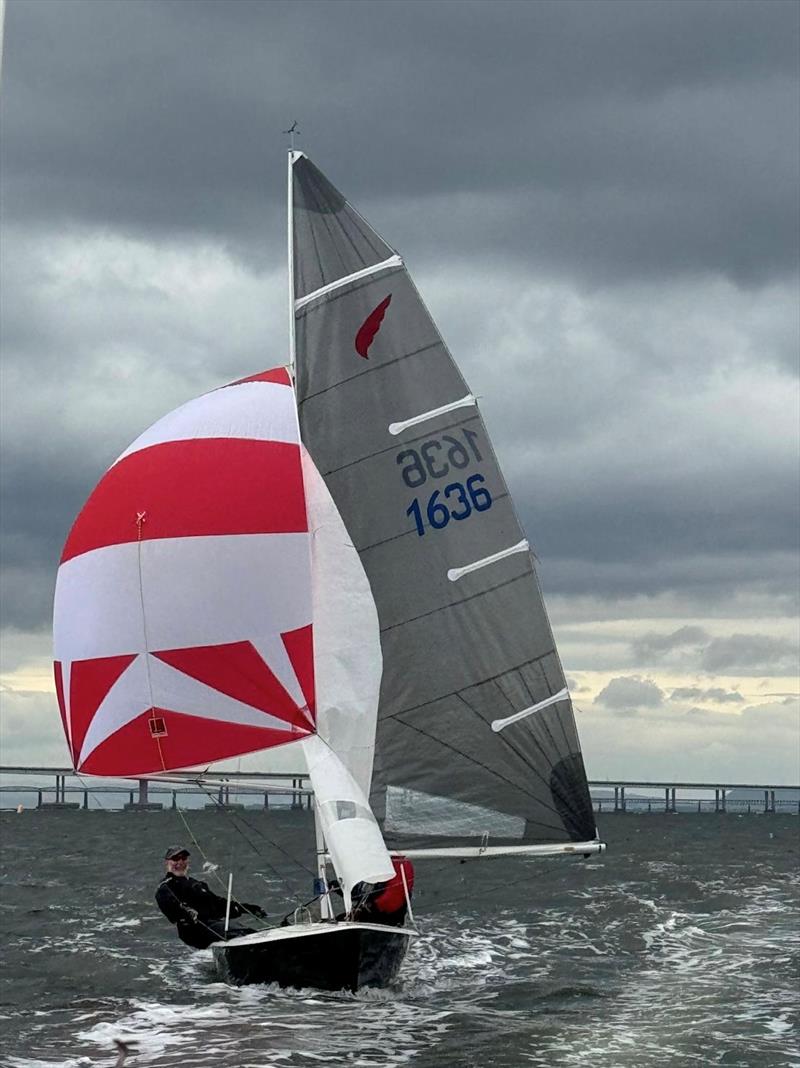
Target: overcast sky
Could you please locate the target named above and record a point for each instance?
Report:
(599, 202)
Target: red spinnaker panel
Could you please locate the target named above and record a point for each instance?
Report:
(62, 708)
(189, 741)
(238, 671)
(277, 374)
(192, 488)
(300, 647)
(89, 684)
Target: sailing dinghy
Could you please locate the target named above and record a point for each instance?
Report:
(327, 556)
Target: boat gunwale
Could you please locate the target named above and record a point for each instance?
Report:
(305, 930)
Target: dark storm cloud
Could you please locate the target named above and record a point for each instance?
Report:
(600, 139)
(580, 141)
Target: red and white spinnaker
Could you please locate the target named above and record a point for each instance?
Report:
(183, 606)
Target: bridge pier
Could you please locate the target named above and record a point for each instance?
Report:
(61, 795)
(142, 804)
(224, 803)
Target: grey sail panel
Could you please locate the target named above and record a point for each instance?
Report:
(458, 655)
(331, 240)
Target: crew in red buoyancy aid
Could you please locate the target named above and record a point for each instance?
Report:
(385, 903)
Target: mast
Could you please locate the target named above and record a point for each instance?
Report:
(321, 883)
(290, 256)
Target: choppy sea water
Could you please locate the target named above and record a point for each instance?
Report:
(678, 947)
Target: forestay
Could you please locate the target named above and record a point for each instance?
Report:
(476, 740)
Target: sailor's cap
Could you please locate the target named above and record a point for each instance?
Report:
(176, 851)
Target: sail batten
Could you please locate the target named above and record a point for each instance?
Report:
(331, 287)
(464, 634)
(415, 420)
(455, 573)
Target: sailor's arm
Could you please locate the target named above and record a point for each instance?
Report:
(238, 908)
(169, 904)
(172, 906)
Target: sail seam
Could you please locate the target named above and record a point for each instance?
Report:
(342, 232)
(371, 370)
(455, 604)
(408, 441)
(542, 722)
(371, 244)
(567, 743)
(520, 756)
(413, 530)
(369, 226)
(317, 257)
(486, 767)
(531, 734)
(365, 272)
(456, 693)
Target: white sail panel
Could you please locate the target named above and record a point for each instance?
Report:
(351, 833)
(240, 575)
(414, 813)
(256, 410)
(347, 646)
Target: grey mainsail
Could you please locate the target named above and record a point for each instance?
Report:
(476, 738)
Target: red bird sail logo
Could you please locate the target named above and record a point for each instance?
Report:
(370, 327)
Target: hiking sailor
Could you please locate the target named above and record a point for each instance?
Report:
(198, 913)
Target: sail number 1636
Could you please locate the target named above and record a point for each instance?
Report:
(456, 501)
(436, 457)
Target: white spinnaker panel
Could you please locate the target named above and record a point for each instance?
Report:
(229, 588)
(254, 411)
(347, 670)
(347, 646)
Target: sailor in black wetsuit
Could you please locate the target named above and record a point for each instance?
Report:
(198, 913)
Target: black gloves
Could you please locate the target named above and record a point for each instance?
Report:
(255, 910)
